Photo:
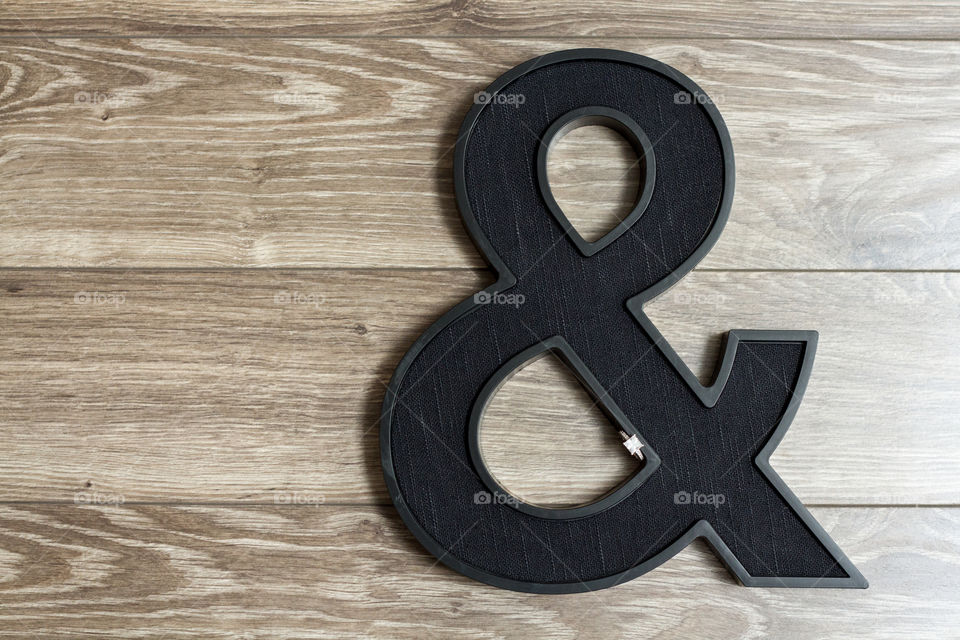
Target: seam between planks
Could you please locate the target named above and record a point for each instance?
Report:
(414, 36)
(357, 505)
(202, 269)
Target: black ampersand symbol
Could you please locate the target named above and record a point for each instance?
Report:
(705, 449)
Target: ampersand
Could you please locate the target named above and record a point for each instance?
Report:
(584, 302)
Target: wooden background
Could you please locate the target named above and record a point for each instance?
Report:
(222, 223)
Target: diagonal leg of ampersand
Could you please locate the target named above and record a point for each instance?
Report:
(761, 530)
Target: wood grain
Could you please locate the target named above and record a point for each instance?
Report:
(252, 152)
(222, 224)
(705, 18)
(244, 386)
(545, 440)
(594, 175)
(167, 572)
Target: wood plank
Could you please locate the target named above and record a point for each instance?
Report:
(328, 152)
(578, 459)
(300, 572)
(249, 385)
(704, 18)
(594, 175)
